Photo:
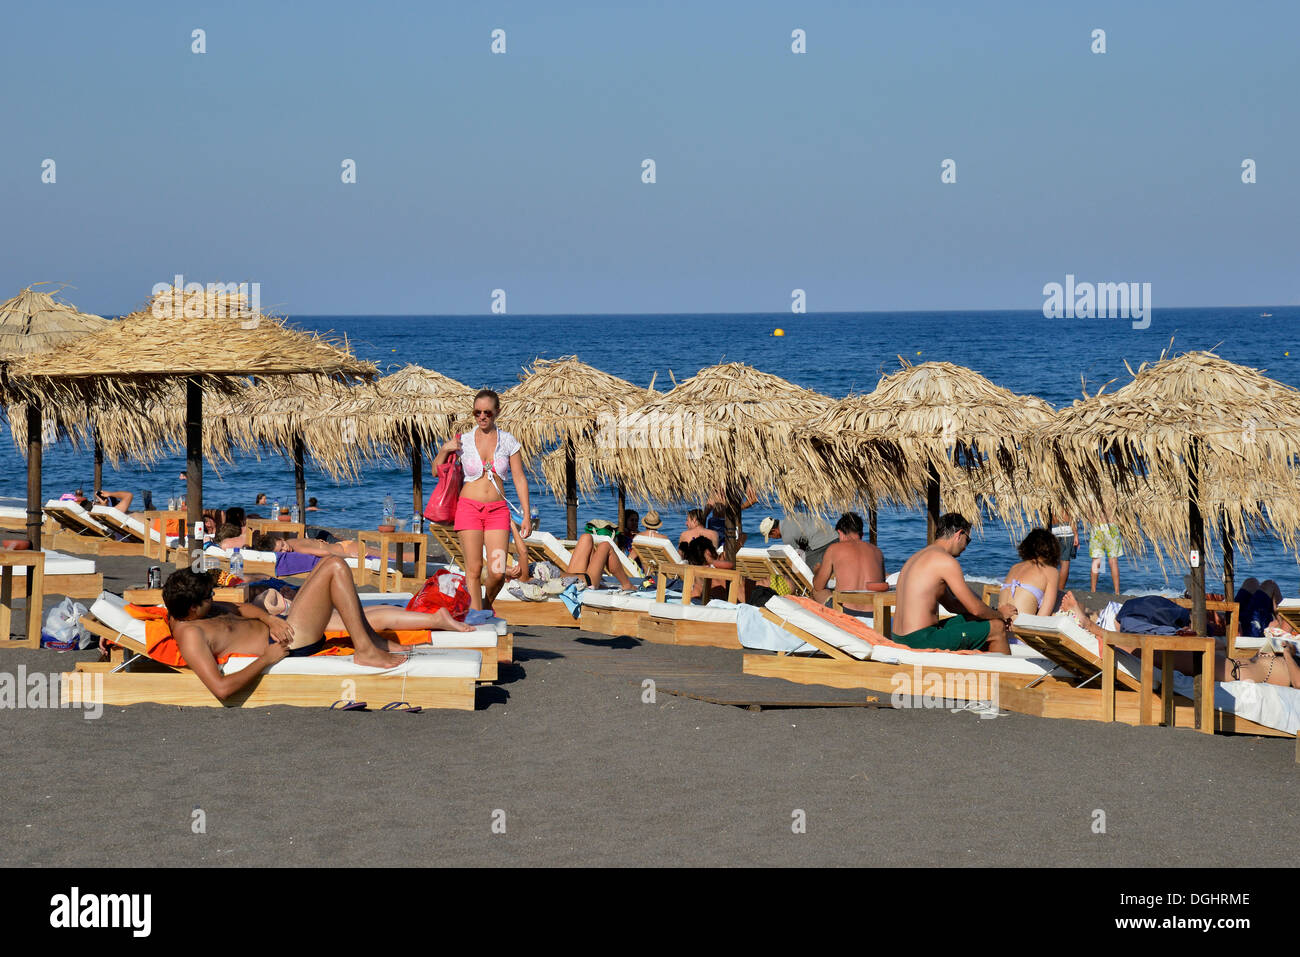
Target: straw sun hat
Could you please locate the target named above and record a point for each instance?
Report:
(652, 520)
(766, 526)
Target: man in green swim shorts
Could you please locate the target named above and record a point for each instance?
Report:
(933, 577)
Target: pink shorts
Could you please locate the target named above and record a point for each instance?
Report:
(482, 516)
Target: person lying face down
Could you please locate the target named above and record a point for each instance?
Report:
(205, 630)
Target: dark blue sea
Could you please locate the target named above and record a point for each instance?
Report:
(831, 353)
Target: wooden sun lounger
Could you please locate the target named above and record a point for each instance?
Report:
(837, 668)
(1121, 697)
(143, 680)
(653, 552)
(552, 613)
(446, 536)
(85, 535)
(680, 631)
(761, 568)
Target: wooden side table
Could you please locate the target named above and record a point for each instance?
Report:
(688, 574)
(1150, 644)
(163, 516)
(34, 581)
(420, 556)
(882, 606)
(153, 596)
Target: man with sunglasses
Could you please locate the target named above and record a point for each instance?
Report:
(933, 577)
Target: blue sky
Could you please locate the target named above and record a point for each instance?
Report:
(775, 171)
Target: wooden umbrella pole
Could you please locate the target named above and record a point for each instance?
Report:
(871, 519)
(931, 505)
(417, 482)
(1196, 528)
(622, 507)
(99, 461)
(1225, 534)
(571, 487)
(299, 476)
(34, 502)
(733, 519)
(194, 464)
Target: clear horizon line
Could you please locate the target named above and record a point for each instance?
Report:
(836, 312)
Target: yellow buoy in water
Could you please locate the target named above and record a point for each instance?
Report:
(778, 332)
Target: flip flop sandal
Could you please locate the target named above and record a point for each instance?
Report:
(348, 705)
(402, 706)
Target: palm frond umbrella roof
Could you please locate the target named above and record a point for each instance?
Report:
(557, 399)
(34, 321)
(415, 401)
(728, 425)
(203, 336)
(1137, 445)
(936, 420)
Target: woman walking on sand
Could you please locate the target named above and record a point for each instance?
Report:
(487, 455)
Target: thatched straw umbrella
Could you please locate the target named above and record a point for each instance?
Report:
(567, 402)
(942, 419)
(412, 409)
(727, 428)
(206, 339)
(1221, 433)
(300, 415)
(32, 323)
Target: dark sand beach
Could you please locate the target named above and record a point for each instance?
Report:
(586, 773)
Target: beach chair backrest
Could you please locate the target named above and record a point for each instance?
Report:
(545, 547)
(790, 564)
(755, 564)
(1064, 643)
(126, 524)
(74, 518)
(446, 536)
(652, 552)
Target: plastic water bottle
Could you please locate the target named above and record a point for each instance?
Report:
(171, 504)
(416, 520)
(275, 510)
(293, 512)
(237, 564)
(389, 510)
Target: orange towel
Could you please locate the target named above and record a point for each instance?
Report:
(859, 629)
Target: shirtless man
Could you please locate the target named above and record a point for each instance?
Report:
(854, 564)
(933, 577)
(381, 617)
(205, 631)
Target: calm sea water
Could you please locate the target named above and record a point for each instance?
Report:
(833, 354)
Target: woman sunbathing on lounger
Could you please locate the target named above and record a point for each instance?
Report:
(1269, 666)
(118, 500)
(205, 631)
(593, 559)
(1031, 584)
(265, 542)
(381, 617)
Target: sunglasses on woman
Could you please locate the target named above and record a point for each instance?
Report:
(488, 412)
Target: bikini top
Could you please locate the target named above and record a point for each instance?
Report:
(1015, 584)
(507, 445)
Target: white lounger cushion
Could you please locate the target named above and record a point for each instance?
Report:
(553, 546)
(72, 508)
(57, 563)
(716, 610)
(247, 554)
(1066, 627)
(888, 654)
(9, 512)
(616, 600)
(134, 524)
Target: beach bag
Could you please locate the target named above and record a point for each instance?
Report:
(63, 630)
(445, 495)
(443, 589)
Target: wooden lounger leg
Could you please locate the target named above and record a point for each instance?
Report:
(1107, 681)
(1167, 691)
